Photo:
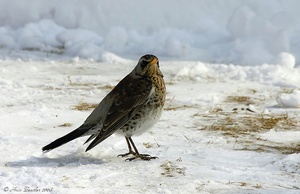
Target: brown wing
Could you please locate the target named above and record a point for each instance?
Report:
(130, 95)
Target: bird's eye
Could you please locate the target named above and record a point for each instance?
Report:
(144, 63)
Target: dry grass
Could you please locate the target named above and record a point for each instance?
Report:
(245, 184)
(245, 130)
(239, 99)
(241, 124)
(89, 85)
(170, 169)
(245, 100)
(81, 86)
(94, 86)
(170, 105)
(271, 147)
(65, 125)
(174, 108)
(148, 145)
(82, 106)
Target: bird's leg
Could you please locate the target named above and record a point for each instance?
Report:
(129, 148)
(136, 153)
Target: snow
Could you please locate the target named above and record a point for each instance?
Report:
(284, 59)
(291, 99)
(224, 32)
(231, 120)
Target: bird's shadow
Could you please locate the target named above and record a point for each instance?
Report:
(71, 160)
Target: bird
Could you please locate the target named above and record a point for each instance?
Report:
(132, 107)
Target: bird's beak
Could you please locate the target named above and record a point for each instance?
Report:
(154, 61)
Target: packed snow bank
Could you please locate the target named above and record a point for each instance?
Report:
(240, 32)
(291, 99)
(277, 75)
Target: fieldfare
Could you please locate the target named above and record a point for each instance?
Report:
(131, 108)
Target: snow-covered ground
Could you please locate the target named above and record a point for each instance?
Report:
(231, 120)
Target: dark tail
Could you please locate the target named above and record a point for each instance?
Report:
(69, 137)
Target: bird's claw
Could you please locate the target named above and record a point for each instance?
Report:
(137, 156)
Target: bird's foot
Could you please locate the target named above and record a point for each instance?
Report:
(142, 157)
(136, 156)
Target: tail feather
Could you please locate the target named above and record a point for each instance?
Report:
(67, 138)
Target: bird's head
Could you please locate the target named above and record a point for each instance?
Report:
(148, 65)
